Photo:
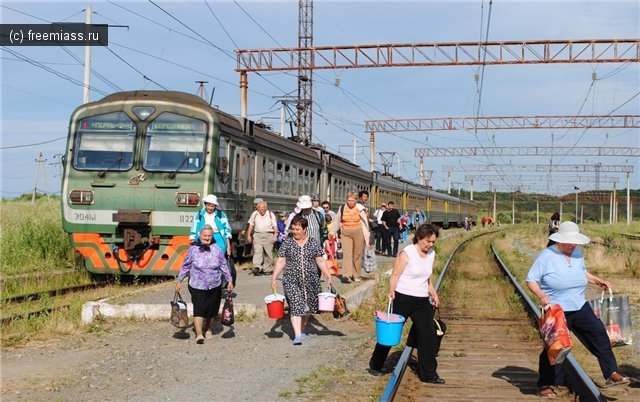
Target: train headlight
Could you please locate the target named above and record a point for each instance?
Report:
(187, 199)
(81, 197)
(143, 111)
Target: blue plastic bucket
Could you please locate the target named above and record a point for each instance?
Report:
(389, 327)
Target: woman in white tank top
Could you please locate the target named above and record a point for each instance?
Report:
(414, 296)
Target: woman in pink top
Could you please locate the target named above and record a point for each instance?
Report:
(353, 224)
(413, 295)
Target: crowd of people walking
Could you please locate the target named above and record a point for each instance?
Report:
(313, 233)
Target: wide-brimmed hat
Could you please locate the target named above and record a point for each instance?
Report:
(210, 199)
(569, 232)
(304, 202)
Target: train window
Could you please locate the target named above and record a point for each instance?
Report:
(251, 173)
(279, 173)
(294, 180)
(306, 183)
(223, 159)
(261, 180)
(313, 188)
(287, 179)
(270, 176)
(104, 142)
(175, 143)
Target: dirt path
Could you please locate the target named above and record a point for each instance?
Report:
(253, 361)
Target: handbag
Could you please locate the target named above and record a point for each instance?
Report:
(440, 328)
(369, 261)
(227, 316)
(179, 317)
(615, 314)
(340, 308)
(555, 334)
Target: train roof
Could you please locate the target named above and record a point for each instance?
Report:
(158, 95)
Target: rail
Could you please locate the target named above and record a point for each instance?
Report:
(391, 389)
(580, 382)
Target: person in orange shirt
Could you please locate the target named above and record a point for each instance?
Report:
(353, 225)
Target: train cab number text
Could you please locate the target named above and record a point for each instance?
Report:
(186, 218)
(86, 217)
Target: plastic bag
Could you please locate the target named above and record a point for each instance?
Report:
(615, 314)
(369, 261)
(227, 316)
(179, 317)
(555, 334)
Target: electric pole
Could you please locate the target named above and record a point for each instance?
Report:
(41, 164)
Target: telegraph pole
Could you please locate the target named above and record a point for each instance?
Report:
(41, 164)
(87, 60)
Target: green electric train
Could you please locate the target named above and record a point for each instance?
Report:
(138, 163)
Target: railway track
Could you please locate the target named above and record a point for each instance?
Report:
(52, 300)
(490, 351)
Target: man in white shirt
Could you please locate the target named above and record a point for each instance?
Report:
(263, 231)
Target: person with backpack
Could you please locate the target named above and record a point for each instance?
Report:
(317, 226)
(352, 222)
(263, 233)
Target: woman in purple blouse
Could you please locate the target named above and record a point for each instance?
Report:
(205, 264)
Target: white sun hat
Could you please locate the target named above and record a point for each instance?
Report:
(304, 202)
(568, 232)
(210, 199)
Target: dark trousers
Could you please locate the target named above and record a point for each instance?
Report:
(393, 233)
(593, 335)
(379, 232)
(420, 310)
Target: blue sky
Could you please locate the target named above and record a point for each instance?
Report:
(175, 44)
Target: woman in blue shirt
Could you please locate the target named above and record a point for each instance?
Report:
(216, 218)
(559, 276)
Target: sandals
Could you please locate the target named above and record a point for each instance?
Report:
(616, 379)
(546, 392)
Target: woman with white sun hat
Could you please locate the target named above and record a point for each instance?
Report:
(559, 276)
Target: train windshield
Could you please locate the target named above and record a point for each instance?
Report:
(104, 142)
(175, 143)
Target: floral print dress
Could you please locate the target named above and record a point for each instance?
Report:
(300, 278)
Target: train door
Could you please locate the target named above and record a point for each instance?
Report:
(221, 185)
(241, 171)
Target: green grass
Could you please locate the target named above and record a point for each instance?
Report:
(35, 253)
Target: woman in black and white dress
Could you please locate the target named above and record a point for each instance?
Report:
(299, 258)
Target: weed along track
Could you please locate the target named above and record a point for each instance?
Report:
(491, 347)
(46, 302)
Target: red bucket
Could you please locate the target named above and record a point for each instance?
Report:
(275, 306)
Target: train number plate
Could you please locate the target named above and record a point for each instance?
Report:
(131, 216)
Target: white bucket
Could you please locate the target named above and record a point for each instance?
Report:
(326, 301)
